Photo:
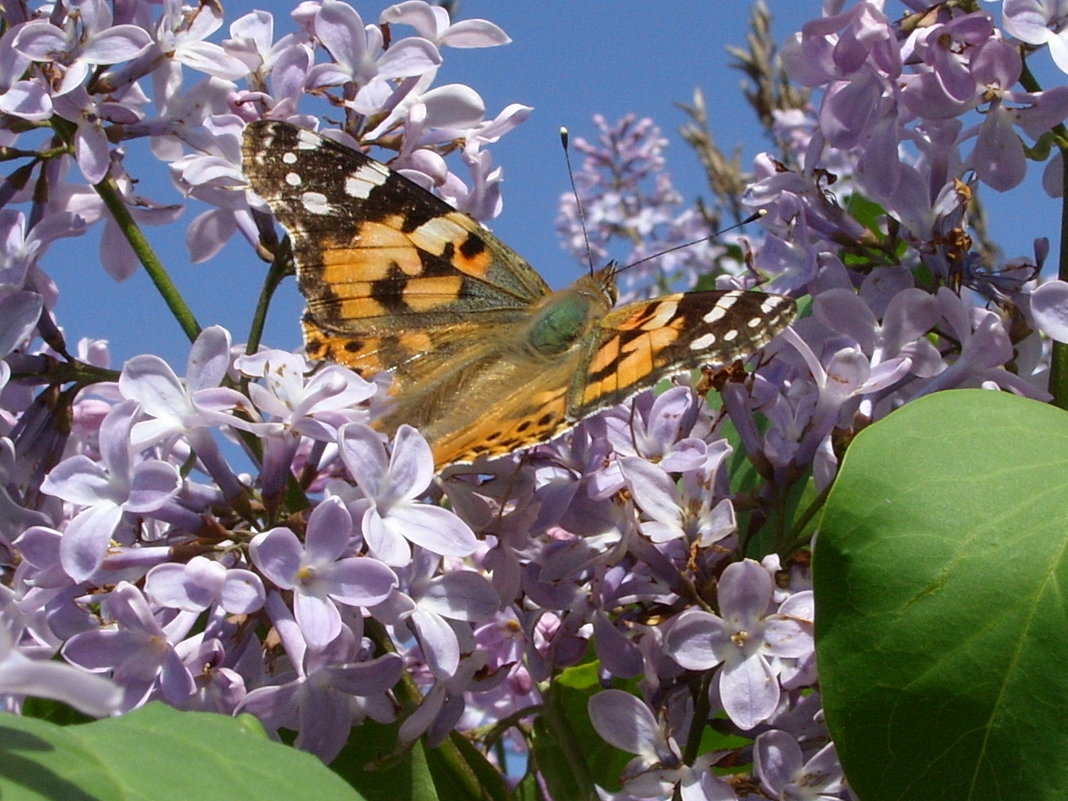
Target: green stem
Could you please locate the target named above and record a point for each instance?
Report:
(112, 198)
(409, 696)
(281, 266)
(701, 708)
(57, 372)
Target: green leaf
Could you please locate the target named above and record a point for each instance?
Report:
(157, 754)
(371, 764)
(940, 577)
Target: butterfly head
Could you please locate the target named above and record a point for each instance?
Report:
(605, 281)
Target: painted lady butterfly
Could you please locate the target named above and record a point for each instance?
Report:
(485, 358)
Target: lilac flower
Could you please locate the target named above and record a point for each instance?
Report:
(41, 567)
(252, 41)
(433, 24)
(1039, 22)
(431, 601)
(181, 35)
(19, 312)
(315, 406)
(328, 692)
(359, 57)
(628, 724)
(661, 428)
(780, 766)
(28, 100)
(42, 678)
(211, 175)
(444, 704)
(742, 640)
(22, 248)
(1049, 305)
(201, 583)
(626, 194)
(318, 573)
(188, 411)
(107, 491)
(87, 39)
(392, 487)
(137, 650)
(692, 510)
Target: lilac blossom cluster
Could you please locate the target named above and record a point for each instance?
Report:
(342, 580)
(628, 199)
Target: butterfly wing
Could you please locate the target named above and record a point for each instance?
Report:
(638, 344)
(620, 353)
(485, 359)
(395, 279)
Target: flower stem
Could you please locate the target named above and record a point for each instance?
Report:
(112, 198)
(281, 266)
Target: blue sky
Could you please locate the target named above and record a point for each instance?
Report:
(569, 60)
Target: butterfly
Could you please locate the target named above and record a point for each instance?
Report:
(486, 359)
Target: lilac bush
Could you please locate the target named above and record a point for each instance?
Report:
(642, 581)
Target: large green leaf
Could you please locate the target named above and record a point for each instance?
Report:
(157, 754)
(941, 583)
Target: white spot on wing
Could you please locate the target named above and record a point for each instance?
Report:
(772, 304)
(361, 183)
(315, 203)
(306, 140)
(721, 307)
(433, 235)
(292, 179)
(703, 342)
(289, 157)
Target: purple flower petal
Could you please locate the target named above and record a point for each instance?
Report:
(749, 691)
(85, 540)
(277, 554)
(624, 721)
(461, 595)
(435, 529)
(329, 531)
(318, 618)
(153, 483)
(1049, 305)
(440, 646)
(696, 639)
(361, 581)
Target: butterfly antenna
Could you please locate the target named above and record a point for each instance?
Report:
(751, 218)
(564, 136)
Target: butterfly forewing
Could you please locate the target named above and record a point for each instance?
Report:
(485, 359)
(389, 271)
(640, 343)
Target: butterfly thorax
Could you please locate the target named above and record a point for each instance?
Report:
(564, 317)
